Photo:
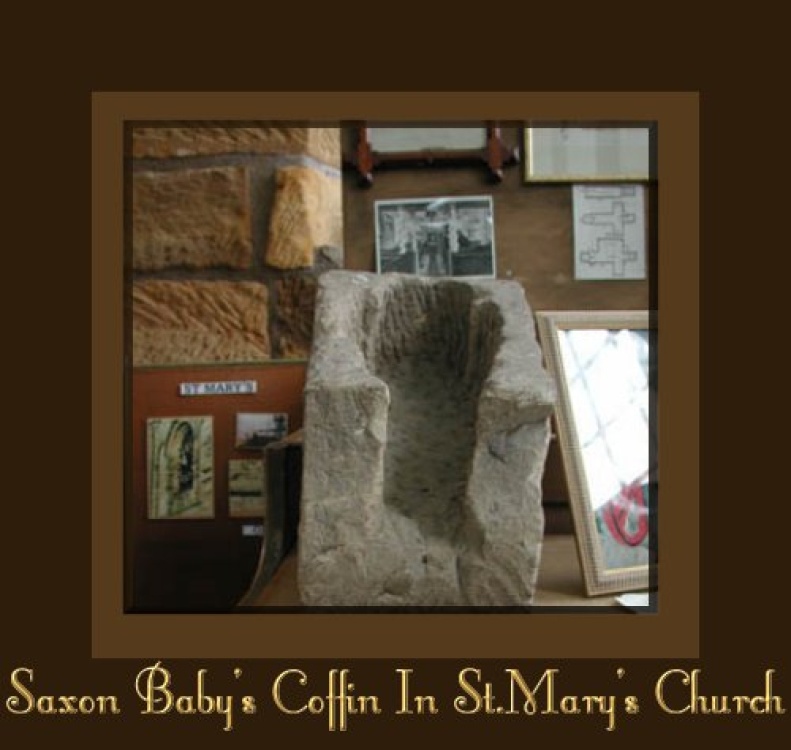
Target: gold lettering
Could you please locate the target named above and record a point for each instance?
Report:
(13, 702)
(156, 695)
(303, 680)
(741, 701)
(660, 690)
(569, 705)
(460, 702)
(774, 703)
(530, 705)
(404, 709)
(55, 704)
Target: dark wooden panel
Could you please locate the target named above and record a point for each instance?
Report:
(201, 564)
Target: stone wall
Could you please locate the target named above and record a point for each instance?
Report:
(229, 228)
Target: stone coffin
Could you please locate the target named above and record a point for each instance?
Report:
(426, 431)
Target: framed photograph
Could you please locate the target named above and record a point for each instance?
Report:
(256, 430)
(246, 488)
(436, 237)
(609, 232)
(603, 364)
(180, 467)
(587, 154)
(421, 146)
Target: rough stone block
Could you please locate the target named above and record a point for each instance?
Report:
(323, 144)
(306, 215)
(292, 323)
(426, 432)
(193, 218)
(191, 322)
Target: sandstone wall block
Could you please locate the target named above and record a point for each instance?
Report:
(292, 324)
(323, 144)
(196, 322)
(306, 214)
(191, 218)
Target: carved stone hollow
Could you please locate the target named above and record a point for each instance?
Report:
(426, 430)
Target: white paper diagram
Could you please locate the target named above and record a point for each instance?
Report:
(609, 232)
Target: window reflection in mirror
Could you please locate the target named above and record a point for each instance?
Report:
(603, 363)
(607, 378)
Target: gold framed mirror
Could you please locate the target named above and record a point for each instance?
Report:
(603, 363)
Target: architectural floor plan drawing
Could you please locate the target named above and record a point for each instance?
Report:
(609, 232)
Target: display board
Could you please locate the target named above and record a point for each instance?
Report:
(188, 561)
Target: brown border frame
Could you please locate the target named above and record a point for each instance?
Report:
(672, 632)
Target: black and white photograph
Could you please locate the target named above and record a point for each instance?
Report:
(256, 430)
(436, 237)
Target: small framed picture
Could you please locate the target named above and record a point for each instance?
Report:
(436, 237)
(180, 467)
(246, 488)
(256, 430)
(587, 154)
(379, 147)
(609, 232)
(414, 140)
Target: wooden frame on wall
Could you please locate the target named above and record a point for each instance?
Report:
(379, 146)
(583, 153)
(601, 362)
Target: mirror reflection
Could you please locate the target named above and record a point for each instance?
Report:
(603, 363)
(607, 377)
